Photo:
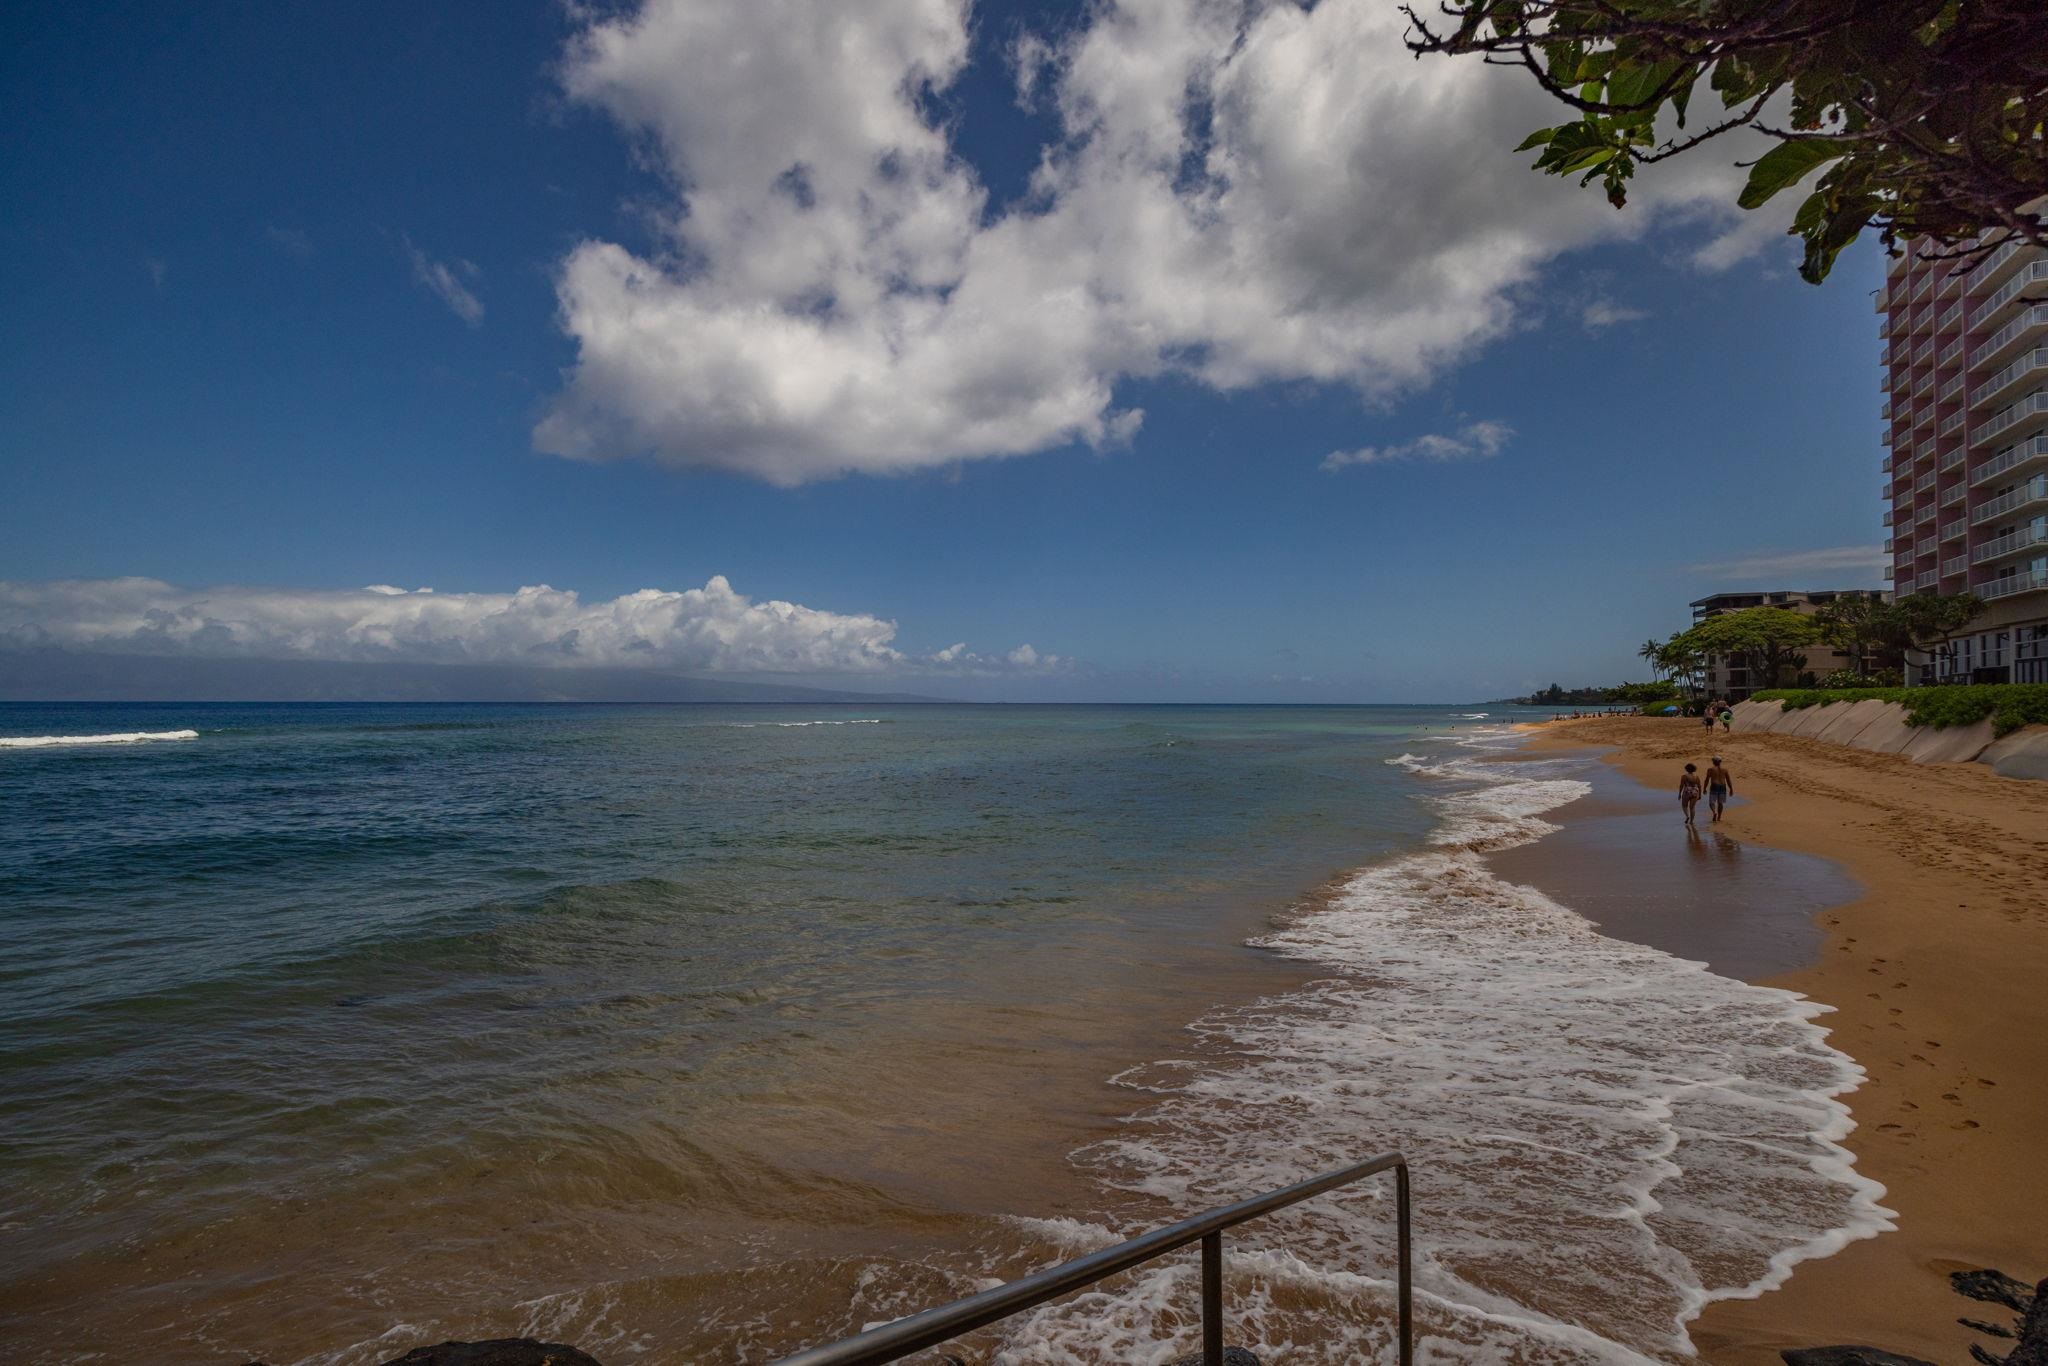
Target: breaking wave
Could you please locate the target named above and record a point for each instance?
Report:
(127, 737)
(1604, 1137)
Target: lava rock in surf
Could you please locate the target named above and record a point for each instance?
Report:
(1847, 1356)
(1232, 1356)
(496, 1352)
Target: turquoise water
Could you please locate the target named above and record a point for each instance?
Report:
(363, 1016)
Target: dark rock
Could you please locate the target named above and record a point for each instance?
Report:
(497, 1352)
(2033, 1348)
(1847, 1356)
(1994, 1287)
(1232, 1356)
(1990, 1329)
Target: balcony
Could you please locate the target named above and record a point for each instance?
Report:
(2023, 327)
(2011, 416)
(1925, 481)
(2012, 457)
(2012, 543)
(2035, 490)
(1947, 320)
(1953, 388)
(1959, 564)
(2028, 363)
(1887, 517)
(1926, 581)
(1951, 460)
(1953, 531)
(1953, 496)
(2033, 274)
(2028, 581)
(1886, 465)
(1950, 354)
(1888, 545)
(1952, 423)
(1926, 383)
(1992, 270)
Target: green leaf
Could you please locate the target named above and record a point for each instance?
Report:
(1782, 166)
(1537, 139)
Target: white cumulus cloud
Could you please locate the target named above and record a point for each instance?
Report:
(1242, 191)
(1473, 441)
(708, 629)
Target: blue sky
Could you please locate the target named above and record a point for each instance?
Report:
(306, 298)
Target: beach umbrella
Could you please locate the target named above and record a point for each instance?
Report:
(1671, 711)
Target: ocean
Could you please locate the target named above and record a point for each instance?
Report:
(704, 1033)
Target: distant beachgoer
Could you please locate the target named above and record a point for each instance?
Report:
(1727, 719)
(1720, 783)
(1689, 790)
(1707, 715)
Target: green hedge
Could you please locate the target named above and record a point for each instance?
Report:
(2009, 705)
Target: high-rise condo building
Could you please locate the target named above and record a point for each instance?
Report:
(1966, 371)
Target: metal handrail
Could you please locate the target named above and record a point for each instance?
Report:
(893, 1341)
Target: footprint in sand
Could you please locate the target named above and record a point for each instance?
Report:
(1966, 1124)
(1983, 1081)
(1952, 1097)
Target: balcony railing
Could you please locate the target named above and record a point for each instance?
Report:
(1941, 324)
(1952, 531)
(2024, 365)
(2035, 490)
(1953, 388)
(1927, 580)
(1925, 481)
(2035, 316)
(1952, 423)
(2010, 416)
(1887, 518)
(1958, 564)
(2033, 448)
(2030, 275)
(2011, 543)
(1950, 497)
(1951, 459)
(2027, 581)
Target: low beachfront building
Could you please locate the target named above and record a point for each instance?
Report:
(1966, 379)
(1729, 677)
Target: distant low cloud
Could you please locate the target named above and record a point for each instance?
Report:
(1794, 568)
(710, 629)
(1473, 441)
(1604, 313)
(156, 269)
(445, 282)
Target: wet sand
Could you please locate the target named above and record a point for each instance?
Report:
(1939, 972)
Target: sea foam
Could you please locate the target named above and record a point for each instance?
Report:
(1604, 1137)
(127, 737)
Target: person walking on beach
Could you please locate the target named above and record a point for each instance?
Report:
(1727, 718)
(1707, 715)
(1689, 790)
(1719, 784)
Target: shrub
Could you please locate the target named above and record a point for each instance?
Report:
(2009, 705)
(1849, 678)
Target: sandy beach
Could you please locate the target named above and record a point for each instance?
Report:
(1939, 972)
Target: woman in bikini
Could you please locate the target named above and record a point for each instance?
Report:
(1689, 791)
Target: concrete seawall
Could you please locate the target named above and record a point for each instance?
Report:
(1882, 728)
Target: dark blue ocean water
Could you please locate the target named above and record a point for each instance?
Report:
(339, 1017)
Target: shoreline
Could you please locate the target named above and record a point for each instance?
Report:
(1934, 975)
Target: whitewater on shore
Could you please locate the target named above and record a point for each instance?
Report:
(1604, 1137)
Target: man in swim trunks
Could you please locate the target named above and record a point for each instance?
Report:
(1689, 791)
(1720, 784)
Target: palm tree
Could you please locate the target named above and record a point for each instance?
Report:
(1653, 651)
